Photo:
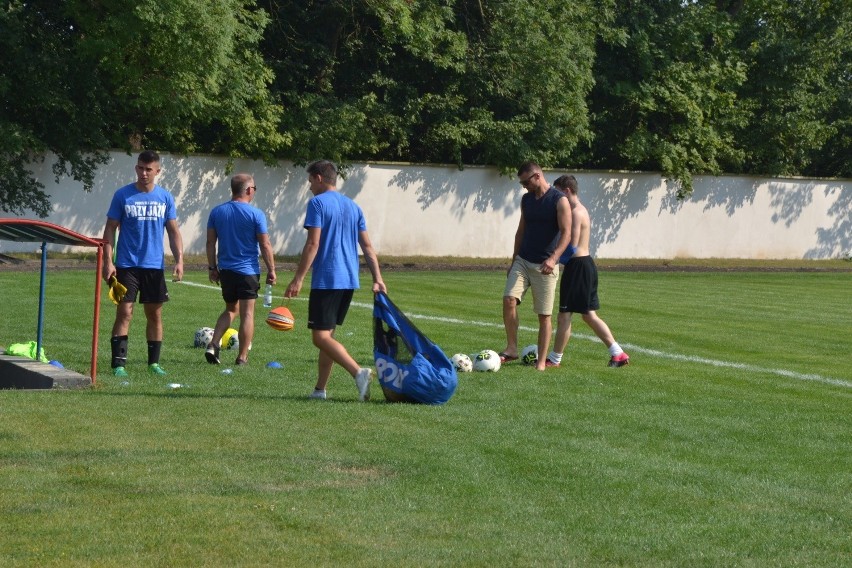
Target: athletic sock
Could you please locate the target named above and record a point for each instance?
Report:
(119, 351)
(154, 351)
(555, 357)
(615, 349)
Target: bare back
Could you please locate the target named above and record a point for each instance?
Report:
(581, 226)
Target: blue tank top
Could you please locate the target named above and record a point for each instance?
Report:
(541, 225)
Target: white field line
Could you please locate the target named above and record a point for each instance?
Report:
(631, 347)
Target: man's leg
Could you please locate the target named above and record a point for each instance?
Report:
(331, 351)
(545, 328)
(563, 335)
(123, 316)
(246, 332)
(226, 318)
(510, 322)
(223, 322)
(154, 334)
(618, 357)
(600, 327)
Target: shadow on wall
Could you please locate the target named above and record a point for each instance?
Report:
(440, 210)
(199, 185)
(835, 241)
(433, 184)
(616, 200)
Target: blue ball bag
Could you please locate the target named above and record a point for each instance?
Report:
(410, 367)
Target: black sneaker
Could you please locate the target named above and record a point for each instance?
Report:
(239, 362)
(212, 354)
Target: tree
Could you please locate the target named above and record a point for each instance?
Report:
(666, 92)
(799, 87)
(52, 102)
(178, 76)
(472, 82)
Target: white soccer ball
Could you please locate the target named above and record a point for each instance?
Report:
(486, 360)
(230, 339)
(203, 337)
(462, 363)
(529, 355)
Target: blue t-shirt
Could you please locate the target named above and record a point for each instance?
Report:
(142, 220)
(340, 220)
(237, 225)
(541, 225)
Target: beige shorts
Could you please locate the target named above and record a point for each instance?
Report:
(525, 275)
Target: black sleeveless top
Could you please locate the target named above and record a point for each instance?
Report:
(541, 225)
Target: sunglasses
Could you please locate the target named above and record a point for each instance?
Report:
(526, 182)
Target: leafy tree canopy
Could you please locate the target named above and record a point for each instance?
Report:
(683, 87)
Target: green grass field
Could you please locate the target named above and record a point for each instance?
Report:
(725, 442)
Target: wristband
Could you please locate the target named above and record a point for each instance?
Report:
(212, 268)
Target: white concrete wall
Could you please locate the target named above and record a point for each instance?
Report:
(441, 211)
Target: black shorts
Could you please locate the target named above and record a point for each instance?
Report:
(578, 291)
(236, 286)
(327, 308)
(149, 283)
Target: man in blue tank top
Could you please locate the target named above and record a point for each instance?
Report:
(141, 211)
(544, 232)
(336, 227)
(240, 230)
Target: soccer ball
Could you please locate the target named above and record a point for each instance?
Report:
(203, 337)
(462, 363)
(486, 360)
(529, 355)
(230, 339)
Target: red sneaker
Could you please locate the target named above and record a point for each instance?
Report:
(548, 363)
(619, 360)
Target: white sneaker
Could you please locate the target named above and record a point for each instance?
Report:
(318, 394)
(362, 381)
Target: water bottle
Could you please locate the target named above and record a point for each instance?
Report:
(267, 297)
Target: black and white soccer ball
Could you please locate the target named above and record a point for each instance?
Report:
(203, 337)
(487, 360)
(529, 355)
(462, 363)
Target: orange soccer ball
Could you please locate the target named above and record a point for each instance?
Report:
(281, 319)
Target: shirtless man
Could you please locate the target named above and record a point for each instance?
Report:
(578, 291)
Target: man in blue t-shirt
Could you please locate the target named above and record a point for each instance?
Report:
(336, 227)
(240, 229)
(141, 211)
(544, 232)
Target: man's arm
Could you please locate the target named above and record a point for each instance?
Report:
(372, 262)
(110, 228)
(267, 256)
(309, 253)
(210, 247)
(176, 245)
(519, 237)
(563, 216)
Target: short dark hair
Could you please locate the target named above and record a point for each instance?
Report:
(568, 182)
(149, 157)
(324, 169)
(239, 183)
(528, 168)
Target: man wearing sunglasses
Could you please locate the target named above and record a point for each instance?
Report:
(240, 230)
(544, 231)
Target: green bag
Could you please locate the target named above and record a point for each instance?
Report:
(28, 350)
